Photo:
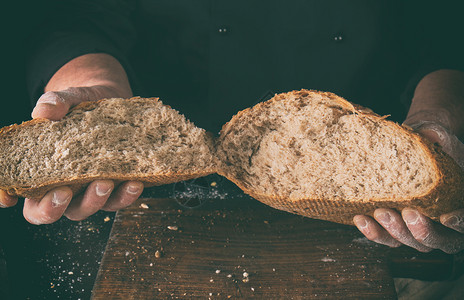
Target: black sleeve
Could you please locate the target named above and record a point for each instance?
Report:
(433, 39)
(76, 27)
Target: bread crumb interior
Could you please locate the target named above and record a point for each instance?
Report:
(126, 137)
(300, 149)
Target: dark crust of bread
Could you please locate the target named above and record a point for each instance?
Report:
(79, 183)
(447, 194)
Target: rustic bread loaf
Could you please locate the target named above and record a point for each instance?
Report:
(317, 155)
(306, 152)
(120, 139)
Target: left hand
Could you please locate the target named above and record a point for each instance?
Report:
(411, 228)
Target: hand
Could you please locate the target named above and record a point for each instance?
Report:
(412, 228)
(100, 194)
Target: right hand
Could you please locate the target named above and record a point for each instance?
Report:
(100, 194)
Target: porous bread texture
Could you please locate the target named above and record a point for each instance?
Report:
(137, 138)
(306, 152)
(310, 146)
(316, 154)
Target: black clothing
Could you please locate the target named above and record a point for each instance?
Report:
(210, 58)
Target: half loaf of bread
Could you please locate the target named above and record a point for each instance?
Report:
(121, 139)
(317, 155)
(306, 152)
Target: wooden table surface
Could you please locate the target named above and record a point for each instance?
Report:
(286, 256)
(236, 248)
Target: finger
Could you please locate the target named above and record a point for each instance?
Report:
(374, 232)
(433, 235)
(48, 209)
(7, 200)
(454, 220)
(125, 195)
(392, 222)
(55, 105)
(94, 198)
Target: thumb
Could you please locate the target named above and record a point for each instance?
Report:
(55, 105)
(436, 133)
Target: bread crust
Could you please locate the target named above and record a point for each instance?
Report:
(447, 194)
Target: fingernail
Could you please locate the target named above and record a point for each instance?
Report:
(454, 221)
(60, 197)
(48, 99)
(103, 189)
(360, 222)
(133, 189)
(383, 217)
(3, 205)
(411, 217)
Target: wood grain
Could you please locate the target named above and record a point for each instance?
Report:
(158, 250)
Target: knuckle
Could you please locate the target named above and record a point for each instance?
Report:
(423, 235)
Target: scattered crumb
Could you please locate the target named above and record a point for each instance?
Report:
(273, 269)
(246, 279)
(229, 275)
(157, 254)
(245, 274)
(213, 183)
(173, 227)
(106, 219)
(143, 205)
(328, 259)
(218, 271)
(70, 273)
(211, 280)
(364, 241)
(252, 289)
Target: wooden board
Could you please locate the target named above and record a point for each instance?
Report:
(236, 249)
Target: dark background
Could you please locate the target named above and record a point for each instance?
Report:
(41, 262)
